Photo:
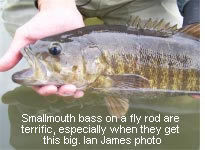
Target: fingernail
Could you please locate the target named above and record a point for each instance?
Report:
(79, 94)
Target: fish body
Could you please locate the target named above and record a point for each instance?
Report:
(114, 57)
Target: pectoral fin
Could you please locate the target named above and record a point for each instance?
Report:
(117, 106)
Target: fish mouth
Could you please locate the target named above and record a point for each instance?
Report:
(22, 76)
(35, 75)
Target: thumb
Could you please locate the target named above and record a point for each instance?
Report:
(13, 55)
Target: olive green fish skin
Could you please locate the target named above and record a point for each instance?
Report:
(91, 54)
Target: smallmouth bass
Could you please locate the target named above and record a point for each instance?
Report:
(151, 58)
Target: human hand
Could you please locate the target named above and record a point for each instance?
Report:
(54, 17)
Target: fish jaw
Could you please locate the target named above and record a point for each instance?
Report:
(22, 77)
(35, 75)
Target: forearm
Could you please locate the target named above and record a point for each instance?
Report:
(56, 4)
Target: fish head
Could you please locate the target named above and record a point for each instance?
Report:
(58, 63)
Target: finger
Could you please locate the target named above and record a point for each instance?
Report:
(79, 94)
(68, 90)
(9, 60)
(46, 90)
(13, 55)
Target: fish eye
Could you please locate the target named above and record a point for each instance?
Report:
(55, 49)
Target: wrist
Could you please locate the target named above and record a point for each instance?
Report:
(55, 4)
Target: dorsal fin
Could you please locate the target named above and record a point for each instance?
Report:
(192, 30)
(155, 27)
